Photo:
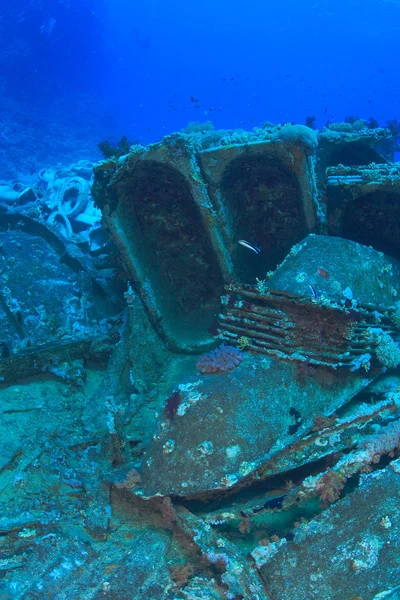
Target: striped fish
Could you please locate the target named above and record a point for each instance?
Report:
(250, 246)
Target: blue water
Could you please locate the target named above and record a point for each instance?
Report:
(73, 72)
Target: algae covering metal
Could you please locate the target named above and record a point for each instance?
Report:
(54, 303)
(256, 186)
(176, 212)
(351, 549)
(322, 305)
(157, 208)
(229, 425)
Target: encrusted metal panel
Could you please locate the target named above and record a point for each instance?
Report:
(265, 193)
(160, 216)
(292, 327)
(315, 307)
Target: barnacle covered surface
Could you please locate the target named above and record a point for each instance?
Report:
(274, 479)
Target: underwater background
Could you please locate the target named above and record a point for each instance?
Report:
(199, 300)
(74, 72)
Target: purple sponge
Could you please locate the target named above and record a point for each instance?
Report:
(221, 360)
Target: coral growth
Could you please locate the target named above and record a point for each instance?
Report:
(386, 349)
(221, 360)
(299, 135)
(122, 147)
(330, 484)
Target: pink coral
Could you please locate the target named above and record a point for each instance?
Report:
(221, 360)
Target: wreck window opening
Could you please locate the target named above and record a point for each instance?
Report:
(264, 203)
(169, 242)
(353, 154)
(374, 220)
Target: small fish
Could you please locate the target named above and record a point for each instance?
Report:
(313, 291)
(250, 246)
(323, 272)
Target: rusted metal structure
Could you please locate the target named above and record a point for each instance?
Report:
(225, 480)
(176, 210)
